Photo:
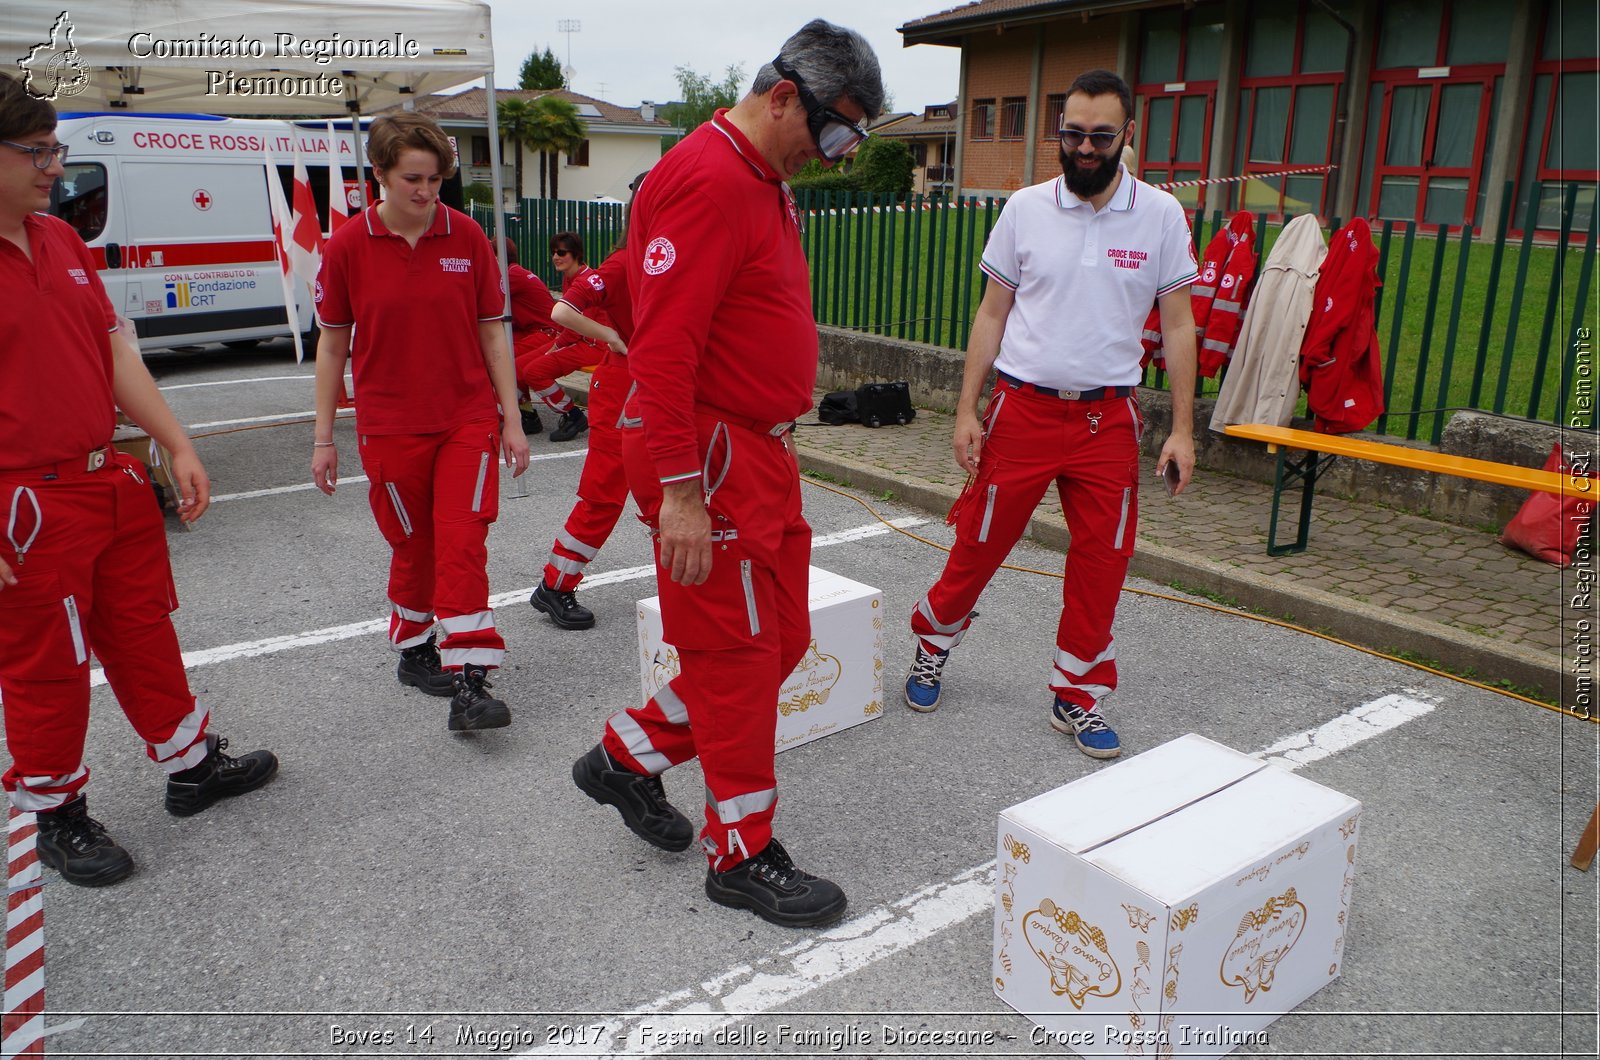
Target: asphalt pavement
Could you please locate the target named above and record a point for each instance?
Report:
(399, 890)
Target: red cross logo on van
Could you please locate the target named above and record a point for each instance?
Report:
(202, 199)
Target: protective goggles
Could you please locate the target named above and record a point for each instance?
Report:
(835, 135)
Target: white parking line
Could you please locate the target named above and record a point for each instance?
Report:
(747, 990)
(343, 415)
(311, 638)
(277, 490)
(308, 377)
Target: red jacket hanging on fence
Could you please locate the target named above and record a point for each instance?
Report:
(1341, 367)
(1218, 297)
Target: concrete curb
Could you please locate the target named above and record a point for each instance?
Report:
(1349, 620)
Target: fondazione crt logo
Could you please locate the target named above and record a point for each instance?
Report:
(53, 68)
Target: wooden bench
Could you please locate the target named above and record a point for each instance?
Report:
(1322, 449)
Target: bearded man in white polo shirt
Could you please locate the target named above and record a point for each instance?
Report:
(1074, 265)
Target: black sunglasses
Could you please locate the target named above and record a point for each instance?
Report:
(835, 134)
(1071, 138)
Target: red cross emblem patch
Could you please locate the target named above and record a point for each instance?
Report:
(659, 255)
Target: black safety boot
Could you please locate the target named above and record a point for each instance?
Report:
(573, 423)
(530, 421)
(474, 708)
(218, 776)
(771, 887)
(419, 667)
(641, 799)
(76, 845)
(563, 608)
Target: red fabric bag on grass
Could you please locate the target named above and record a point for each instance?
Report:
(1548, 526)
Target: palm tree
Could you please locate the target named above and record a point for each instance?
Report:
(515, 119)
(554, 127)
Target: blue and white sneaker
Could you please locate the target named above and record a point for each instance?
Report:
(1094, 737)
(922, 683)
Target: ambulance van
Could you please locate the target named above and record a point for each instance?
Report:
(174, 209)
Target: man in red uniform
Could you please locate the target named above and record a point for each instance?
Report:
(532, 330)
(603, 485)
(84, 563)
(722, 314)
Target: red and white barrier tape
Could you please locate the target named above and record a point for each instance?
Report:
(23, 1022)
(1243, 177)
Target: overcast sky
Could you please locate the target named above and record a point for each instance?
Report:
(627, 50)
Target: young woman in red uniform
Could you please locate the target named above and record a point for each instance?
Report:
(83, 560)
(436, 408)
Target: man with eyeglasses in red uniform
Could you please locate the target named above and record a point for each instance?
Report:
(83, 562)
(1073, 267)
(724, 356)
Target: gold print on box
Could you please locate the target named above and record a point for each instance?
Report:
(1008, 899)
(1182, 918)
(1138, 990)
(1076, 954)
(810, 683)
(1265, 936)
(1018, 850)
(664, 667)
(1138, 918)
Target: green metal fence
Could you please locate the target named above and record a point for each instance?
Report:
(1492, 323)
(598, 223)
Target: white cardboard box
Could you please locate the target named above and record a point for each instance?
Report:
(838, 684)
(1173, 904)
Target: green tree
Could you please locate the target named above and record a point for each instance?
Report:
(554, 127)
(515, 118)
(541, 70)
(812, 177)
(702, 98)
(883, 165)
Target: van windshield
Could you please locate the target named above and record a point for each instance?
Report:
(79, 198)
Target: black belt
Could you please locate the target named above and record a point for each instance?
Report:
(1097, 394)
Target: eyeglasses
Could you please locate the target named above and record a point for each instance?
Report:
(42, 156)
(1071, 138)
(835, 134)
(561, 253)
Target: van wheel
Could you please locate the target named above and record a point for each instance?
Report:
(243, 344)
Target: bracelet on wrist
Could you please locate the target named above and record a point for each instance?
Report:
(322, 445)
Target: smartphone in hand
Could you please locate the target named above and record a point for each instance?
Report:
(1171, 476)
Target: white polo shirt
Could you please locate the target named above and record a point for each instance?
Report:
(1085, 280)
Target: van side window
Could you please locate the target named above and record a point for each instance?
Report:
(79, 198)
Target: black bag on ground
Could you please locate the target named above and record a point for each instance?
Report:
(838, 407)
(881, 403)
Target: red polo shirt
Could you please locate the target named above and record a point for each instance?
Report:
(721, 294)
(530, 301)
(604, 293)
(56, 400)
(586, 278)
(416, 359)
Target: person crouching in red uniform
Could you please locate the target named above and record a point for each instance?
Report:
(724, 355)
(84, 565)
(436, 408)
(532, 330)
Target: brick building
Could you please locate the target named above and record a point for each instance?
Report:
(1405, 109)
